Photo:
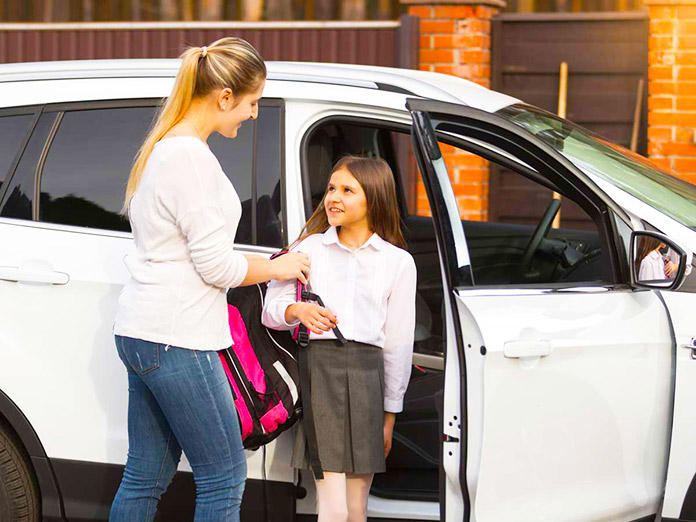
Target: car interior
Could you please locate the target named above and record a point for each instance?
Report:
(503, 252)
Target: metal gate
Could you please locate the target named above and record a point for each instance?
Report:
(607, 55)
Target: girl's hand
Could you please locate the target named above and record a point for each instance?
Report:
(292, 265)
(671, 268)
(316, 318)
(389, 420)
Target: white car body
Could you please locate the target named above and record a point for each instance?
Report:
(59, 366)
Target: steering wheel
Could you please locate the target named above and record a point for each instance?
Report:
(542, 230)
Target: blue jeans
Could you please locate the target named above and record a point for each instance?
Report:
(179, 399)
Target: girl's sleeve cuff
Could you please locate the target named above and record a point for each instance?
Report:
(393, 405)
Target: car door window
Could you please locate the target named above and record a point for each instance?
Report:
(83, 178)
(544, 230)
(533, 238)
(80, 157)
(256, 177)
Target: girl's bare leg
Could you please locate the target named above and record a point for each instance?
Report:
(332, 505)
(358, 488)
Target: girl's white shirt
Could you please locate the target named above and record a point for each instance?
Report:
(372, 291)
(652, 267)
(184, 217)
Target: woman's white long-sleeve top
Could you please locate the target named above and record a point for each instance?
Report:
(184, 217)
(372, 291)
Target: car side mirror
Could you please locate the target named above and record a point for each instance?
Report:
(657, 262)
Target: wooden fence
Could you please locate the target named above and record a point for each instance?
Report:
(388, 43)
(190, 10)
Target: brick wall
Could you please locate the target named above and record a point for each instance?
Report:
(455, 38)
(672, 86)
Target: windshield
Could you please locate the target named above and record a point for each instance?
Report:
(619, 166)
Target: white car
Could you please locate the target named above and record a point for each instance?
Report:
(549, 385)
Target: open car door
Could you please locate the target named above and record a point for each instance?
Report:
(556, 396)
(680, 490)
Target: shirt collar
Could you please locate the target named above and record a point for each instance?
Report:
(655, 254)
(331, 237)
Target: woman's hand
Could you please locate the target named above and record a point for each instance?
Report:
(316, 318)
(293, 265)
(389, 420)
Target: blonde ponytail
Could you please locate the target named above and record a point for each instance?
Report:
(228, 62)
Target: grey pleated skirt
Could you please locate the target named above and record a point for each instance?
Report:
(347, 393)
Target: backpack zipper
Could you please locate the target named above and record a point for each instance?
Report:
(243, 383)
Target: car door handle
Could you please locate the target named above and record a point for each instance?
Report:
(12, 273)
(690, 346)
(519, 349)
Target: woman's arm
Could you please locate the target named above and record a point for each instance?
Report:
(290, 266)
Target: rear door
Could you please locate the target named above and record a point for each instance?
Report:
(61, 272)
(563, 391)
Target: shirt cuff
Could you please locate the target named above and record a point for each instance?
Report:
(282, 307)
(243, 271)
(393, 405)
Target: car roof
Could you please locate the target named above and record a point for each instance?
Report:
(405, 81)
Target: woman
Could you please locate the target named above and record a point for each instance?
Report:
(367, 281)
(172, 314)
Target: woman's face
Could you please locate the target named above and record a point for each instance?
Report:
(345, 202)
(246, 108)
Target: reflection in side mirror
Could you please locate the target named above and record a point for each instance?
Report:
(656, 261)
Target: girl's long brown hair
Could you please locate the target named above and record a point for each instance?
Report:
(645, 246)
(228, 62)
(377, 180)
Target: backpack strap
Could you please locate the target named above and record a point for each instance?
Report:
(301, 333)
(309, 296)
(310, 427)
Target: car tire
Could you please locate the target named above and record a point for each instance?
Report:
(19, 498)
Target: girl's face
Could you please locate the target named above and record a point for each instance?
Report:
(247, 108)
(345, 202)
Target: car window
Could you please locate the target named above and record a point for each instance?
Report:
(82, 175)
(13, 130)
(520, 243)
(268, 172)
(261, 201)
(83, 178)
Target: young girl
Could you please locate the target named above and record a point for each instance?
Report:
(172, 314)
(368, 284)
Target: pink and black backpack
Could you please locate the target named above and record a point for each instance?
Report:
(263, 370)
(268, 370)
